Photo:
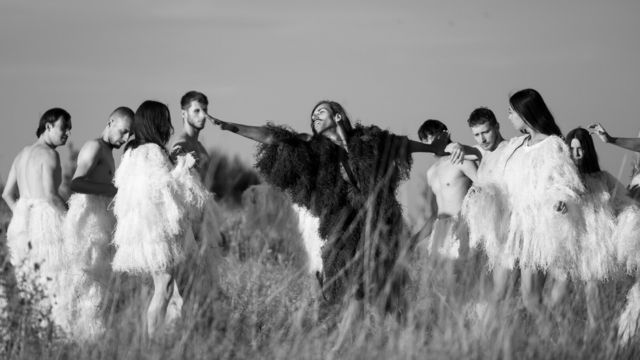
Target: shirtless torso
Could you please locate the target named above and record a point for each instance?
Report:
(187, 144)
(450, 183)
(95, 170)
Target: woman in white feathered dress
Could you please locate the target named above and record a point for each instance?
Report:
(152, 206)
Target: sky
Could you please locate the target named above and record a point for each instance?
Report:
(389, 63)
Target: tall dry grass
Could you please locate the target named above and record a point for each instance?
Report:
(269, 308)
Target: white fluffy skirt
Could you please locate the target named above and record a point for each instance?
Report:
(449, 238)
(627, 238)
(34, 238)
(35, 234)
(88, 230)
(308, 226)
(486, 211)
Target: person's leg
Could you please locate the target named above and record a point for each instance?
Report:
(162, 292)
(531, 287)
(558, 290)
(594, 309)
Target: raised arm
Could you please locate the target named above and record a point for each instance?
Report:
(10, 192)
(632, 144)
(88, 159)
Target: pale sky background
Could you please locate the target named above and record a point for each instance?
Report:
(390, 63)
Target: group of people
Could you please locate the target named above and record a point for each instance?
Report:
(154, 208)
(537, 203)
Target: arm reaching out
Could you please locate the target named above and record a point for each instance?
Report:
(632, 144)
(260, 134)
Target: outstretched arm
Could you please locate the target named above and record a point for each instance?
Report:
(10, 192)
(632, 144)
(261, 134)
(88, 159)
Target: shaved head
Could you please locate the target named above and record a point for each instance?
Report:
(122, 112)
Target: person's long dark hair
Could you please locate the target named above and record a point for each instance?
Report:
(151, 124)
(590, 162)
(528, 103)
(336, 109)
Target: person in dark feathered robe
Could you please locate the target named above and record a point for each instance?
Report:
(348, 177)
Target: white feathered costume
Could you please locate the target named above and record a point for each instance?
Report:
(34, 239)
(515, 217)
(153, 205)
(88, 231)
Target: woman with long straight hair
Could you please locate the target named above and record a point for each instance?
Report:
(152, 207)
(346, 175)
(534, 205)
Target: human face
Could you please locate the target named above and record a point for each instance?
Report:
(195, 115)
(432, 137)
(486, 135)
(577, 153)
(517, 122)
(119, 131)
(58, 132)
(322, 120)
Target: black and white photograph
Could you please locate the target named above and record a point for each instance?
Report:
(411, 179)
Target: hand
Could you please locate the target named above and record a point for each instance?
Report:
(561, 207)
(223, 124)
(456, 152)
(600, 131)
(440, 143)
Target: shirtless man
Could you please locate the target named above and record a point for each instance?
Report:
(89, 224)
(34, 236)
(201, 272)
(449, 183)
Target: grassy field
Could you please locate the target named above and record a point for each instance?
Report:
(268, 308)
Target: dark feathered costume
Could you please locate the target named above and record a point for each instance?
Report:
(354, 195)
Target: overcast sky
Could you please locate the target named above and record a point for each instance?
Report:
(390, 63)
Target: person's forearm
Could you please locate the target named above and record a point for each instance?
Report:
(415, 146)
(632, 144)
(10, 200)
(84, 186)
(257, 133)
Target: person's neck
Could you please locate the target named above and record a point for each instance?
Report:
(191, 132)
(104, 140)
(44, 140)
(535, 137)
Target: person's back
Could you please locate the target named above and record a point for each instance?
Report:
(29, 165)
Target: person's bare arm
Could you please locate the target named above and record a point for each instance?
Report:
(469, 169)
(50, 167)
(10, 193)
(88, 159)
(260, 134)
(460, 152)
(632, 144)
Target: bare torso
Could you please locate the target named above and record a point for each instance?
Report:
(491, 166)
(185, 144)
(449, 184)
(38, 172)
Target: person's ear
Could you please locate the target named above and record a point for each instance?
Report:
(337, 117)
(48, 126)
(183, 112)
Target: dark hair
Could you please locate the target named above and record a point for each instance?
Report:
(192, 96)
(151, 124)
(482, 115)
(590, 162)
(335, 109)
(431, 127)
(51, 116)
(529, 104)
(123, 111)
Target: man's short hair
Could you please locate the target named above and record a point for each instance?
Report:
(192, 96)
(51, 116)
(431, 127)
(123, 112)
(482, 115)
